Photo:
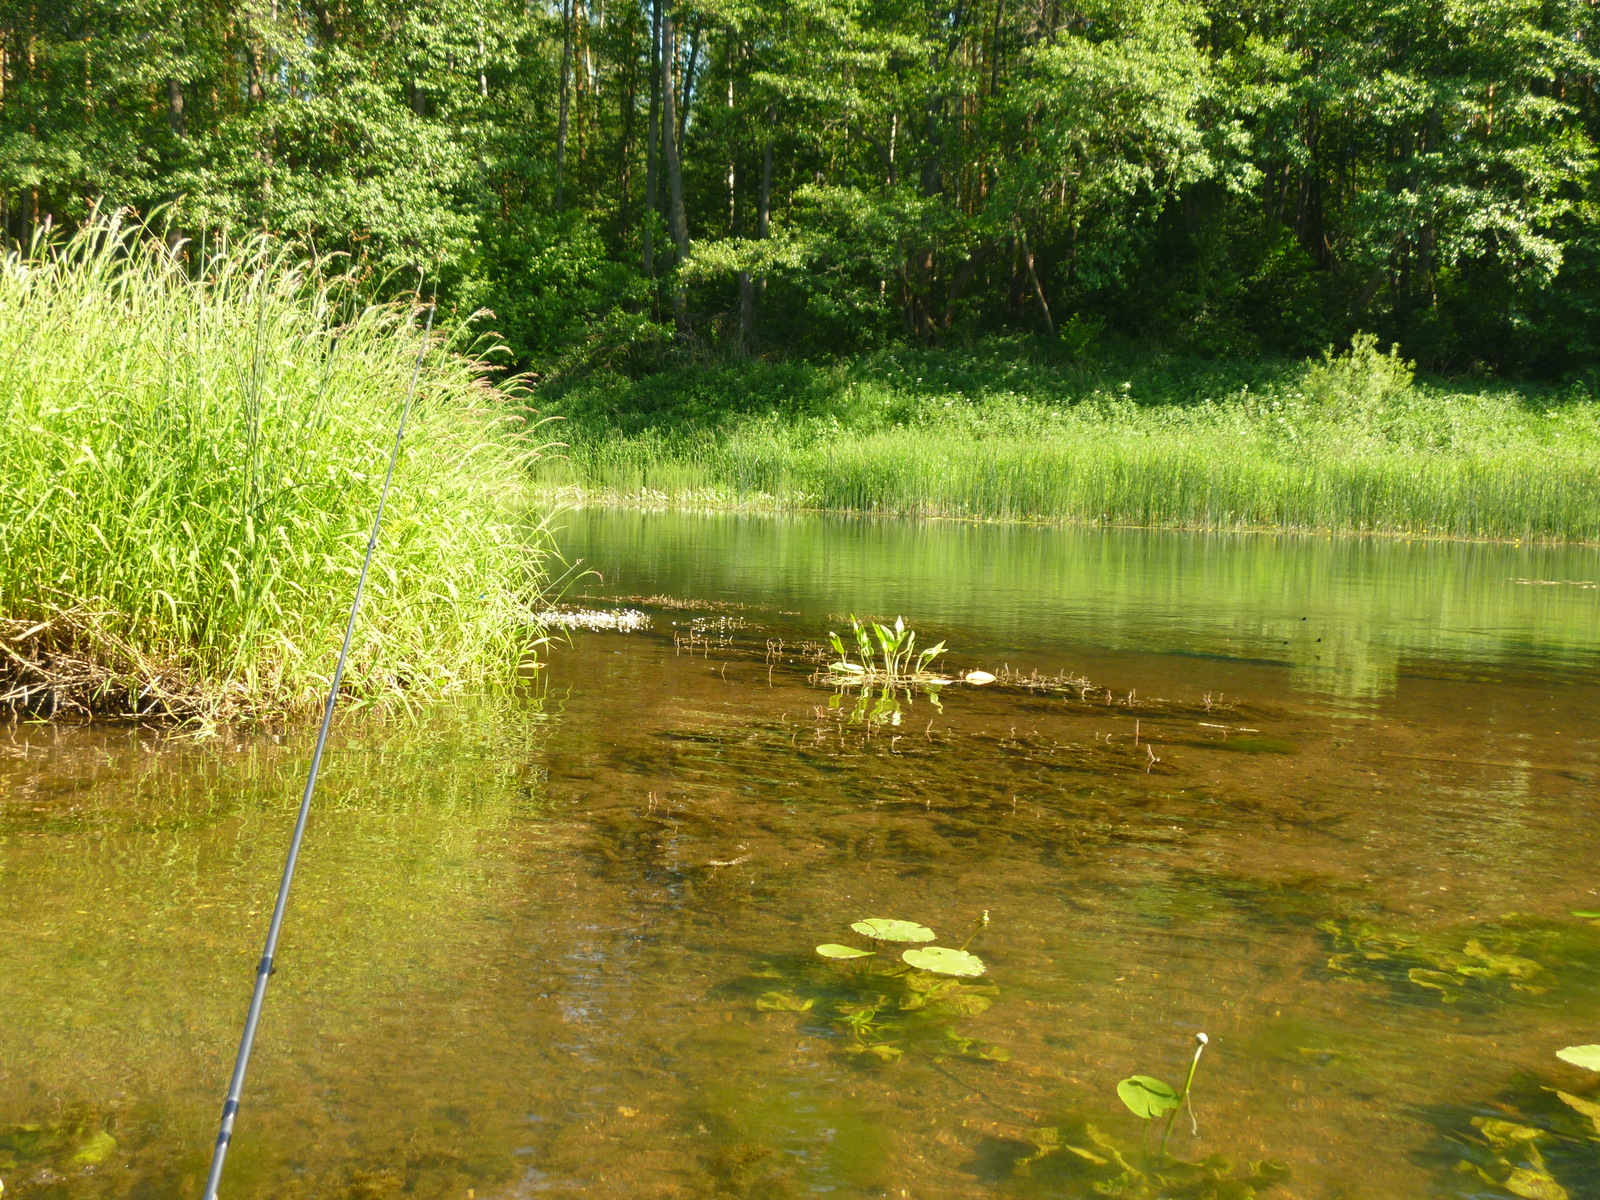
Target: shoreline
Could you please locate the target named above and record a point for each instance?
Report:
(570, 497)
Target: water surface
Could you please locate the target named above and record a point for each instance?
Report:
(1331, 801)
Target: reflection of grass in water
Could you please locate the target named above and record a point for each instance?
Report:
(131, 1006)
(1373, 603)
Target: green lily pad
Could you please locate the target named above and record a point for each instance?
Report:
(1588, 914)
(1581, 1056)
(1147, 1097)
(941, 960)
(834, 950)
(883, 929)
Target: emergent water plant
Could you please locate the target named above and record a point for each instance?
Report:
(888, 656)
(1077, 1149)
(1149, 1098)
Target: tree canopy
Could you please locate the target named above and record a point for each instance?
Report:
(615, 178)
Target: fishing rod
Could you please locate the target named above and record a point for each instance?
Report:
(264, 969)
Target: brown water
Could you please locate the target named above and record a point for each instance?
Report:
(556, 945)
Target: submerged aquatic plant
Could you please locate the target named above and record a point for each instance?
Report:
(1516, 957)
(74, 1142)
(886, 1006)
(1077, 1148)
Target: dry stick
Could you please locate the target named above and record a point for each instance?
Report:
(264, 969)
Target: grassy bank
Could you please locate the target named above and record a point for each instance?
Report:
(1352, 443)
(189, 462)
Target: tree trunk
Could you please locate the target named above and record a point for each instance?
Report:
(627, 102)
(563, 119)
(651, 139)
(1033, 278)
(747, 290)
(677, 221)
(175, 120)
(686, 95)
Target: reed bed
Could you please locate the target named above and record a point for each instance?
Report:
(190, 453)
(1348, 444)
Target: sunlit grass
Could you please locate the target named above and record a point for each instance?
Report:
(189, 461)
(1348, 444)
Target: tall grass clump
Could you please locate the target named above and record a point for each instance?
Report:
(1350, 442)
(190, 455)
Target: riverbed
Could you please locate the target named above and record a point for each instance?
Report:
(1333, 802)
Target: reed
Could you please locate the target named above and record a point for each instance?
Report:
(190, 451)
(1351, 443)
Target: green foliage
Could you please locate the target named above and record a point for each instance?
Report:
(1147, 1097)
(1581, 1056)
(75, 1141)
(1230, 179)
(189, 463)
(1493, 962)
(1072, 1151)
(844, 953)
(886, 929)
(887, 1008)
(942, 960)
(1342, 443)
(893, 662)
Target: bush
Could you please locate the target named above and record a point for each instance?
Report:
(189, 463)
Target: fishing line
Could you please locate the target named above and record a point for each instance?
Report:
(264, 969)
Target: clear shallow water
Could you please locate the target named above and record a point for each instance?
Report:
(553, 946)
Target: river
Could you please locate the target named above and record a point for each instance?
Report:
(1334, 802)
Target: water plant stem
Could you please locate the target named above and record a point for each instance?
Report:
(264, 968)
(1201, 1042)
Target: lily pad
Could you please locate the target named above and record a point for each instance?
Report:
(1588, 914)
(941, 960)
(1581, 1056)
(978, 677)
(883, 929)
(1147, 1097)
(849, 667)
(834, 950)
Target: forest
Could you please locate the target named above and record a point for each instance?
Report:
(626, 185)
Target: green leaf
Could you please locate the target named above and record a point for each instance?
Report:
(1581, 1056)
(1147, 1097)
(1588, 914)
(850, 667)
(834, 950)
(1533, 1184)
(884, 929)
(1587, 1107)
(941, 960)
